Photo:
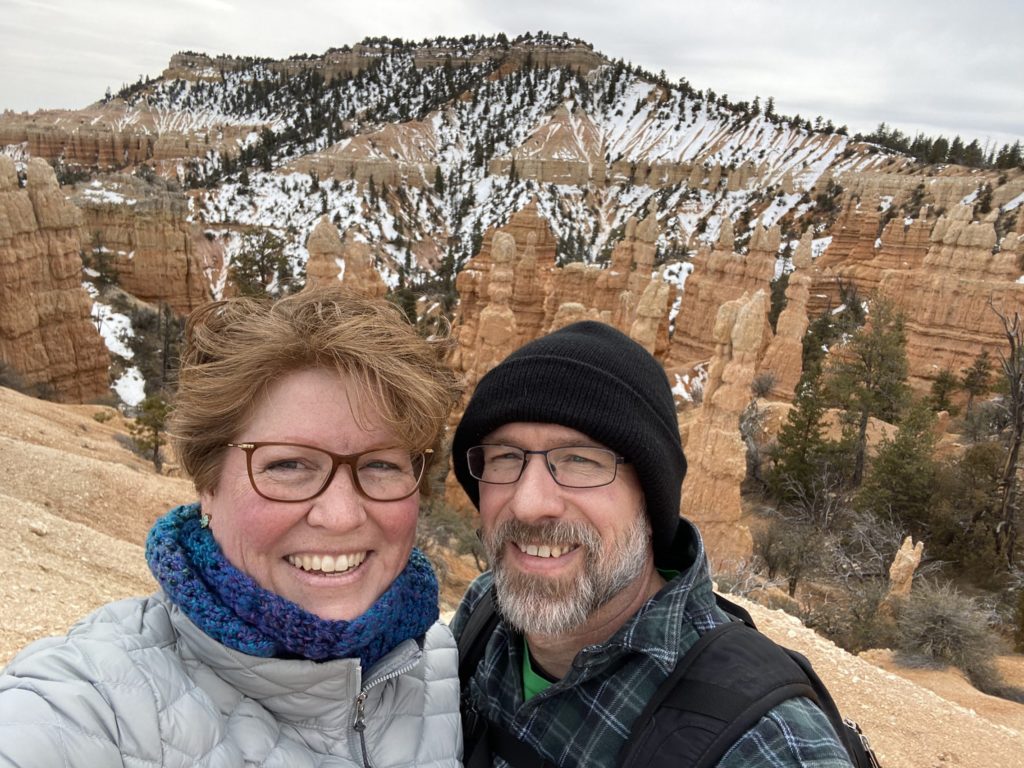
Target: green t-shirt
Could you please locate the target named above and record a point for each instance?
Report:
(533, 682)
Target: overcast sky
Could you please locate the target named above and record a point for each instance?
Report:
(935, 66)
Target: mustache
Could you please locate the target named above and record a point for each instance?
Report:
(558, 533)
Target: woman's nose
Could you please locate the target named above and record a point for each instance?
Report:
(340, 506)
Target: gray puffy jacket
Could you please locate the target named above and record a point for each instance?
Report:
(138, 684)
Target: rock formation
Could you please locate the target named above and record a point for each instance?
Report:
(145, 229)
(46, 332)
(784, 357)
(945, 272)
(392, 155)
(719, 276)
(948, 302)
(628, 294)
(331, 260)
(901, 572)
(715, 450)
(901, 578)
(113, 136)
(351, 60)
(496, 334)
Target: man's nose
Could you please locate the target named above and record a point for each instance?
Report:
(537, 495)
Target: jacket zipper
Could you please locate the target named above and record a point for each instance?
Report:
(359, 726)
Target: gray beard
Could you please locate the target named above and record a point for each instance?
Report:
(536, 605)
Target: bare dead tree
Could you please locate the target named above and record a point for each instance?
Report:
(1011, 362)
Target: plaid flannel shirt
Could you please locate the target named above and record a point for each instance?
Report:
(585, 718)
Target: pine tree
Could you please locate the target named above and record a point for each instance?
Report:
(801, 445)
(149, 427)
(901, 479)
(869, 376)
(944, 385)
(259, 264)
(976, 380)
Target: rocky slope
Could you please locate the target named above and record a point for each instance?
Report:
(76, 506)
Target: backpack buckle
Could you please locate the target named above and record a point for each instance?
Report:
(854, 730)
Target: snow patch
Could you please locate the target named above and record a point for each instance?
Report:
(1013, 204)
(114, 328)
(130, 387)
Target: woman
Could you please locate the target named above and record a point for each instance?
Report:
(296, 625)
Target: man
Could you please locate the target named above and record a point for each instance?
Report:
(570, 449)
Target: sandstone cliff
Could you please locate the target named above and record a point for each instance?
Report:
(351, 60)
(719, 276)
(943, 263)
(116, 135)
(716, 451)
(46, 333)
(144, 228)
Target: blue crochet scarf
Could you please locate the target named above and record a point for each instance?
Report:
(233, 609)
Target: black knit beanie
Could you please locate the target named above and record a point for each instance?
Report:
(595, 379)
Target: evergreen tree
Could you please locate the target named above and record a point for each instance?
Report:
(154, 343)
(869, 376)
(976, 380)
(945, 384)
(801, 445)
(778, 300)
(960, 520)
(1012, 369)
(901, 479)
(149, 428)
(260, 266)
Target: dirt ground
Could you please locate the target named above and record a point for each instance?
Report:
(75, 506)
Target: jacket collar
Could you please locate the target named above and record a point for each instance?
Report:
(687, 600)
(317, 695)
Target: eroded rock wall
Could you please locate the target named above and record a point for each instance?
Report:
(158, 254)
(46, 332)
(719, 276)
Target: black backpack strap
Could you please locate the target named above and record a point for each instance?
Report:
(481, 736)
(734, 610)
(850, 734)
(473, 641)
(720, 689)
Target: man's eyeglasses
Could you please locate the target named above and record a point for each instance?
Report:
(295, 472)
(572, 466)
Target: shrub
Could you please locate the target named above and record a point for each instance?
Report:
(985, 420)
(851, 619)
(938, 623)
(762, 384)
(790, 549)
